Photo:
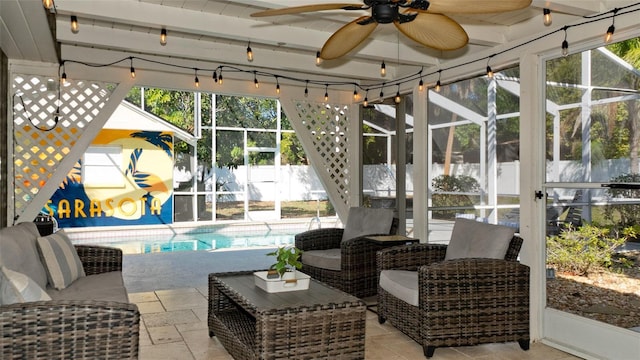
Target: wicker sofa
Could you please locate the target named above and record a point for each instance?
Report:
(354, 267)
(466, 301)
(90, 319)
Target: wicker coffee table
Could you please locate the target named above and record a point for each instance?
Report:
(320, 323)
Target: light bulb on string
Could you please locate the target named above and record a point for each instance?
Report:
(74, 24)
(132, 69)
(196, 80)
(255, 80)
(382, 91)
(48, 4)
(326, 93)
(565, 44)
(438, 84)
(63, 78)
(609, 35)
(277, 86)
(397, 99)
(383, 69)
(249, 52)
(365, 103)
(215, 76)
(220, 78)
(421, 85)
(355, 93)
(546, 17)
(318, 58)
(163, 37)
(612, 28)
(306, 89)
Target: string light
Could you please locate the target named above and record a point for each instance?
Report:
(418, 75)
(63, 78)
(196, 80)
(255, 80)
(565, 43)
(611, 29)
(365, 103)
(546, 17)
(163, 37)
(74, 24)
(277, 86)
(318, 58)
(489, 71)
(249, 52)
(397, 98)
(133, 70)
(355, 93)
(326, 92)
(383, 69)
(48, 4)
(421, 85)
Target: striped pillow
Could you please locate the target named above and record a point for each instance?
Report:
(16, 287)
(60, 259)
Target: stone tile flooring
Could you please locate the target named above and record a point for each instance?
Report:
(174, 326)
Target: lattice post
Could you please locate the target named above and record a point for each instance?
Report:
(45, 150)
(325, 133)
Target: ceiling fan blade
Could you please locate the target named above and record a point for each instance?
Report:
(435, 31)
(307, 8)
(475, 6)
(347, 38)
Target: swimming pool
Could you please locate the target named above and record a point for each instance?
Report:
(207, 241)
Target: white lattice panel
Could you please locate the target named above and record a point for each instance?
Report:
(39, 144)
(327, 126)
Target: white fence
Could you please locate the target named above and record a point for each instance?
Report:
(298, 182)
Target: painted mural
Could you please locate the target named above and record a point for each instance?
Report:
(129, 182)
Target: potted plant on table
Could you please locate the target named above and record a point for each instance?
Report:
(287, 261)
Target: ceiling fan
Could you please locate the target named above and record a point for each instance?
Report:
(420, 20)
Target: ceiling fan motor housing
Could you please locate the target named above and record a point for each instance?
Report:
(384, 13)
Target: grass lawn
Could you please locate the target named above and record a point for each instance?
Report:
(234, 210)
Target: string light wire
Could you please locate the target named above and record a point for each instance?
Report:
(408, 78)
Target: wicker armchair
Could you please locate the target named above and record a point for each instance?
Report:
(357, 275)
(461, 301)
(67, 329)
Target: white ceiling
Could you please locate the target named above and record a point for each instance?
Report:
(208, 33)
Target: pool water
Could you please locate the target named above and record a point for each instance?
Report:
(210, 241)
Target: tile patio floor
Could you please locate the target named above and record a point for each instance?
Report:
(174, 326)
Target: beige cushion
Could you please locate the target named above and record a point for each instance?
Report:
(18, 251)
(367, 221)
(18, 288)
(402, 284)
(474, 239)
(323, 259)
(107, 286)
(60, 259)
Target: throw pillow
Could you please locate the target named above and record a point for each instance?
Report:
(60, 259)
(474, 239)
(18, 288)
(367, 221)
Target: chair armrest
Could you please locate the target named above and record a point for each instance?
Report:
(410, 257)
(65, 329)
(466, 284)
(99, 259)
(319, 239)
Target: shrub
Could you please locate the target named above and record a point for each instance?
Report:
(624, 215)
(587, 248)
(448, 183)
